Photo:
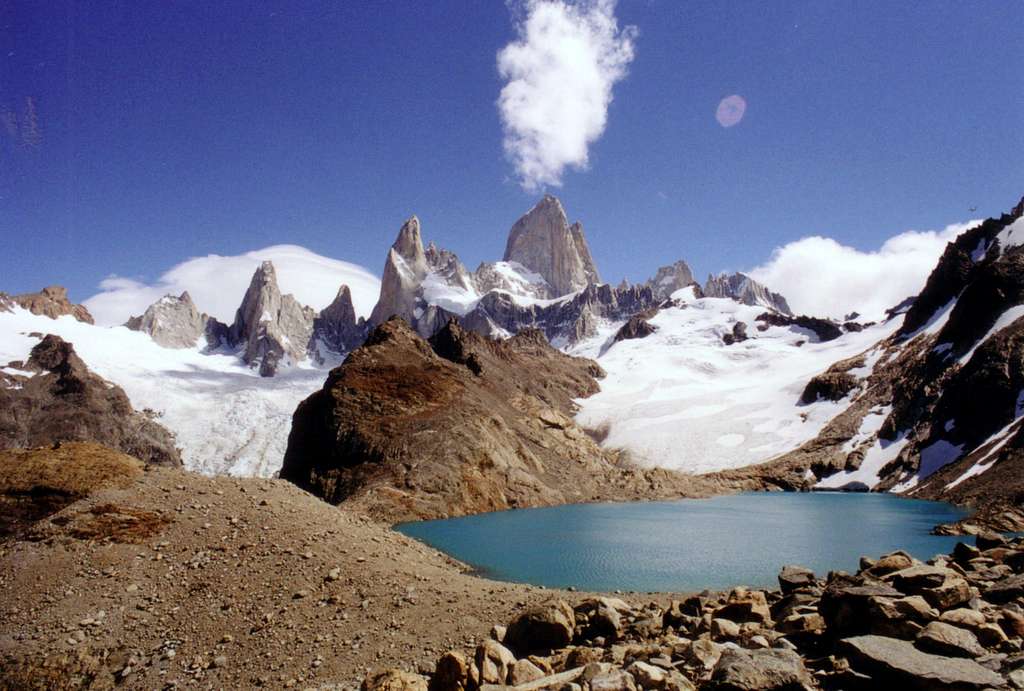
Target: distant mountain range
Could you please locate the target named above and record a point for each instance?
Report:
(700, 378)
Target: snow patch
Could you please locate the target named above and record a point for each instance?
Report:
(881, 453)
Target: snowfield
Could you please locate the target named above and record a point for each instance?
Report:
(226, 418)
(680, 398)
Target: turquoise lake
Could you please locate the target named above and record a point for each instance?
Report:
(690, 544)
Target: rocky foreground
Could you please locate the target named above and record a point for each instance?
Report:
(953, 623)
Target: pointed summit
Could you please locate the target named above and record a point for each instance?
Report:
(543, 242)
(173, 322)
(404, 271)
(272, 326)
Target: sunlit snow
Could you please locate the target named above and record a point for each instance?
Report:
(681, 398)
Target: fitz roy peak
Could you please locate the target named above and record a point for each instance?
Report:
(544, 242)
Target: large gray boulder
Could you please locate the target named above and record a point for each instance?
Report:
(760, 670)
(893, 663)
(543, 241)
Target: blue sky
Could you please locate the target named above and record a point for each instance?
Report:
(138, 134)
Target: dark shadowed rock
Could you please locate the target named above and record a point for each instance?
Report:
(337, 326)
(824, 329)
(541, 629)
(635, 327)
(952, 641)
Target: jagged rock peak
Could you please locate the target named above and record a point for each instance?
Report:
(404, 270)
(409, 246)
(52, 302)
(746, 290)
(337, 326)
(543, 241)
(272, 326)
(669, 279)
(172, 322)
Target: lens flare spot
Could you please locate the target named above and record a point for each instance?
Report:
(730, 110)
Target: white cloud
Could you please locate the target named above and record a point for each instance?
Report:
(218, 283)
(559, 73)
(821, 277)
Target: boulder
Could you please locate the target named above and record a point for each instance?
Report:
(613, 680)
(394, 680)
(893, 663)
(846, 608)
(745, 605)
(760, 670)
(600, 617)
(451, 673)
(952, 641)
(524, 671)
(648, 676)
(793, 578)
(492, 664)
(541, 628)
(1006, 590)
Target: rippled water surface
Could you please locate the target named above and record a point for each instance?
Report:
(689, 544)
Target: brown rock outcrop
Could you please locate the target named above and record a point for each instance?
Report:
(52, 302)
(407, 429)
(58, 399)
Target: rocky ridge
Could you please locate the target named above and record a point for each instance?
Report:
(746, 290)
(409, 429)
(175, 322)
(53, 397)
(51, 301)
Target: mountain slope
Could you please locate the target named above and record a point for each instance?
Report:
(408, 429)
(683, 397)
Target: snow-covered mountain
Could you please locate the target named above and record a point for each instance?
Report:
(724, 374)
(715, 385)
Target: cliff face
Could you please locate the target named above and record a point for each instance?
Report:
(407, 428)
(53, 397)
(543, 241)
